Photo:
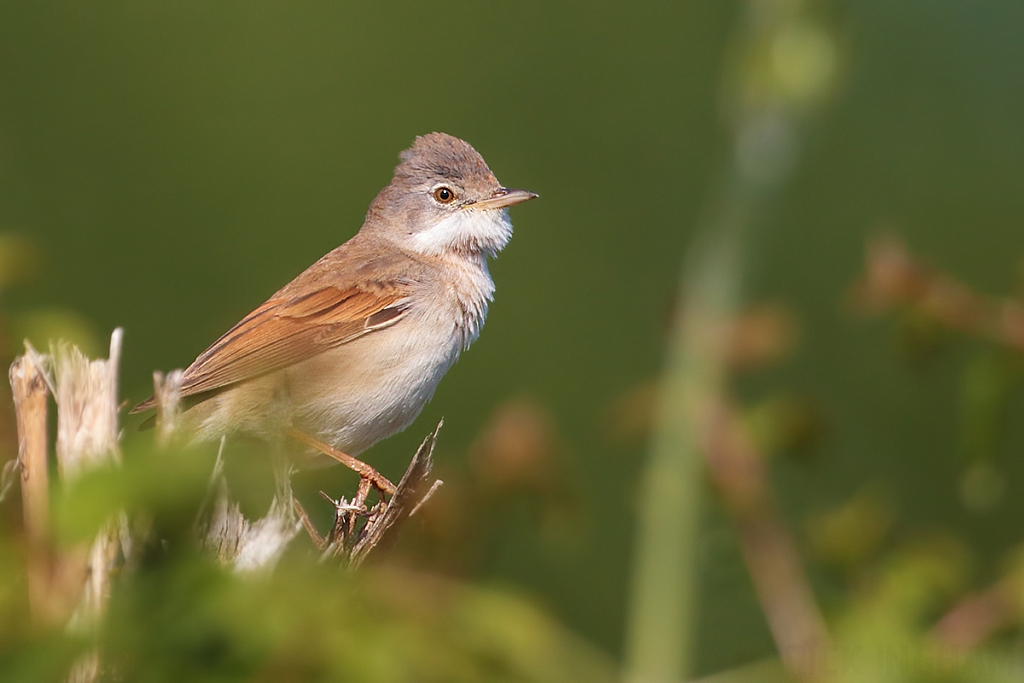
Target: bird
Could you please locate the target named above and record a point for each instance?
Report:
(350, 351)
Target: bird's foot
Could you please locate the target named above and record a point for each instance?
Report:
(366, 472)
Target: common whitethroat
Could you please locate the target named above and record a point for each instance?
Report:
(351, 350)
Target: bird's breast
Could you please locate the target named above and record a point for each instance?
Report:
(375, 386)
(471, 290)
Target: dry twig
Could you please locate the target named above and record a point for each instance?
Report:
(347, 539)
(768, 549)
(28, 385)
(977, 618)
(87, 437)
(411, 493)
(353, 543)
(894, 277)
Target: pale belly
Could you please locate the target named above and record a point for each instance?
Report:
(358, 394)
(350, 397)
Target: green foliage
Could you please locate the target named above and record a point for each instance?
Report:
(176, 615)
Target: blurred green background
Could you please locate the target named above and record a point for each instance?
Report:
(174, 163)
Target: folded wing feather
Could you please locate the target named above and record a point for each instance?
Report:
(285, 331)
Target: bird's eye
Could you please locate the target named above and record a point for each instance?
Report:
(444, 195)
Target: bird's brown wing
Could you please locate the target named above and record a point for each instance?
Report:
(286, 330)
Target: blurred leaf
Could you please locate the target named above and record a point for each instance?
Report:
(167, 485)
(311, 623)
(987, 384)
(909, 586)
(982, 487)
(920, 335)
(770, 671)
(882, 636)
(852, 534)
(36, 660)
(785, 424)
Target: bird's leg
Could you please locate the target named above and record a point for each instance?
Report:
(358, 466)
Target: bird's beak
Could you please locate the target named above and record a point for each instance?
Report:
(503, 198)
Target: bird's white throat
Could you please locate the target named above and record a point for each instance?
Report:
(466, 231)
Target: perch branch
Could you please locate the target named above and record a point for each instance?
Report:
(379, 531)
(28, 386)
